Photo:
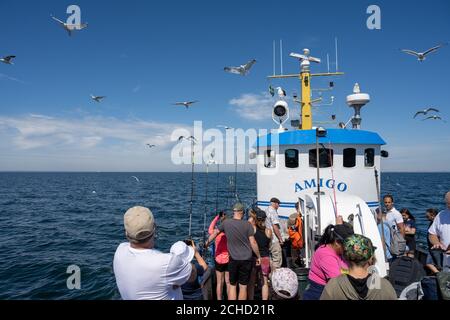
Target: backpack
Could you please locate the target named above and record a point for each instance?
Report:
(398, 243)
(296, 233)
(443, 279)
(404, 271)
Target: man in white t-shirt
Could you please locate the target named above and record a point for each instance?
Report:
(143, 273)
(439, 232)
(393, 217)
(273, 223)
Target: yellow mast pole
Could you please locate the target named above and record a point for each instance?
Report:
(305, 81)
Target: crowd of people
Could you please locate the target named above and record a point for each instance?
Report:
(251, 257)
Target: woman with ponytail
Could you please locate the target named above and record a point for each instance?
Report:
(327, 261)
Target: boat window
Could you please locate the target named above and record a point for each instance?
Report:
(291, 158)
(325, 158)
(369, 157)
(269, 159)
(349, 158)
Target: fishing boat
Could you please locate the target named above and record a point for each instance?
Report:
(330, 171)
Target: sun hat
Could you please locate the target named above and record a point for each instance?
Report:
(139, 223)
(182, 250)
(284, 283)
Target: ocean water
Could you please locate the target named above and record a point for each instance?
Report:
(49, 221)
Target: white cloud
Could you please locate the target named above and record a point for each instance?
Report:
(253, 106)
(38, 131)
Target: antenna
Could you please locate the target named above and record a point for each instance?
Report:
(336, 46)
(328, 63)
(274, 72)
(281, 55)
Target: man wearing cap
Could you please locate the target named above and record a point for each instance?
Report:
(142, 272)
(241, 242)
(273, 223)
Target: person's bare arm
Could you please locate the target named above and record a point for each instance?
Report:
(410, 231)
(200, 260)
(276, 230)
(255, 248)
(435, 242)
(212, 237)
(401, 228)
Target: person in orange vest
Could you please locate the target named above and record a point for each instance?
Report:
(295, 231)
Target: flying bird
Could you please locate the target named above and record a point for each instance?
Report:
(225, 127)
(425, 111)
(151, 145)
(187, 104)
(243, 69)
(7, 59)
(421, 55)
(434, 118)
(136, 178)
(281, 92)
(190, 138)
(97, 98)
(70, 27)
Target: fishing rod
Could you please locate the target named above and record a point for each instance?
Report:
(193, 141)
(383, 239)
(210, 161)
(217, 189)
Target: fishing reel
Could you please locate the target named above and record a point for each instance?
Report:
(280, 113)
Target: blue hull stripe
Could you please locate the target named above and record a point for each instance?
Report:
(372, 204)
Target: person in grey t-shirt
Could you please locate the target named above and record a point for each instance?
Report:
(241, 242)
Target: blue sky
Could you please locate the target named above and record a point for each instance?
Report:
(145, 55)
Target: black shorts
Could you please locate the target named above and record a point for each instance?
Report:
(240, 271)
(221, 267)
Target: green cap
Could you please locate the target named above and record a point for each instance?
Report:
(238, 207)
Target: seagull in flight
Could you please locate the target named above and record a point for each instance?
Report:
(70, 27)
(434, 118)
(281, 92)
(225, 127)
(97, 98)
(243, 69)
(425, 111)
(421, 55)
(7, 59)
(191, 138)
(187, 104)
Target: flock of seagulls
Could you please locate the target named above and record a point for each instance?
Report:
(242, 70)
(425, 112)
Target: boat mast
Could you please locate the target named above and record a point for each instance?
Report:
(305, 81)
